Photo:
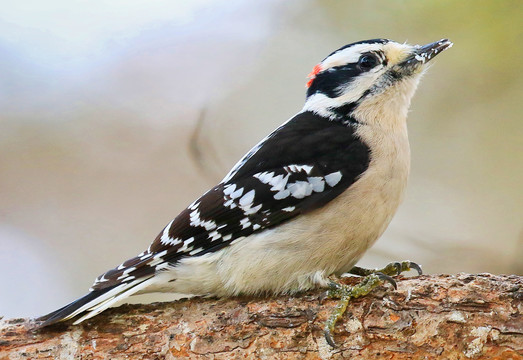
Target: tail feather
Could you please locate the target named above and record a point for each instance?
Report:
(134, 287)
(94, 302)
(65, 312)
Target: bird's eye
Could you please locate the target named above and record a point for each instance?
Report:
(367, 62)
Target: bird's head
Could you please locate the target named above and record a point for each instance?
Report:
(369, 81)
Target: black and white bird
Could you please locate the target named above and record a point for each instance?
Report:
(303, 204)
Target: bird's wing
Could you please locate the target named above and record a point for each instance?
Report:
(295, 169)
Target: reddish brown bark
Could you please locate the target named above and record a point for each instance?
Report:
(428, 317)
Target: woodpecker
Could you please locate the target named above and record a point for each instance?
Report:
(302, 205)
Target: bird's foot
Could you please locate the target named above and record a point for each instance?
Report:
(372, 279)
(345, 293)
(392, 269)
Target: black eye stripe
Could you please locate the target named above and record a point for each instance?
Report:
(332, 80)
(351, 66)
(329, 82)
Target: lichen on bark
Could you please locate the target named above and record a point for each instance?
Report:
(428, 317)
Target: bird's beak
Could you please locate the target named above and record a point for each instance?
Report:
(429, 51)
(423, 54)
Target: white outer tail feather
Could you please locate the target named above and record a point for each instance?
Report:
(110, 298)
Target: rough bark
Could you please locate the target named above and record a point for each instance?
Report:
(428, 317)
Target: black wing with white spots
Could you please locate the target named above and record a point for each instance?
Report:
(299, 167)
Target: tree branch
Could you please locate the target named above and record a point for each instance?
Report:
(428, 317)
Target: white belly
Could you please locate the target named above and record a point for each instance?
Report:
(301, 253)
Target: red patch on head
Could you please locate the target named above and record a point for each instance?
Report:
(312, 74)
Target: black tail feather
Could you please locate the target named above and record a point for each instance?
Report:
(64, 312)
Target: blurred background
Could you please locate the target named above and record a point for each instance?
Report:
(115, 115)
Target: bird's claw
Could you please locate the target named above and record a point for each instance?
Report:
(406, 266)
(329, 339)
(416, 267)
(387, 278)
